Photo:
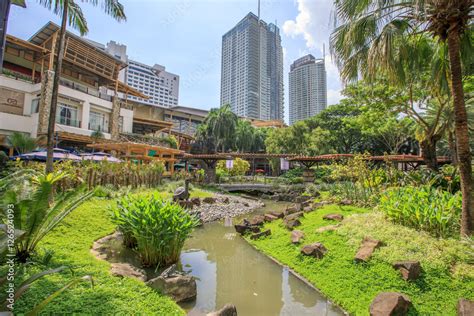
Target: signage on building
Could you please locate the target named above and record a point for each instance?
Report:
(11, 101)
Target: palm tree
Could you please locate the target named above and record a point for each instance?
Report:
(21, 143)
(244, 136)
(362, 44)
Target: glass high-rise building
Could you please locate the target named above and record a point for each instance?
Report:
(308, 91)
(252, 69)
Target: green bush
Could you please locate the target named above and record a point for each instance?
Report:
(447, 178)
(240, 168)
(159, 227)
(423, 207)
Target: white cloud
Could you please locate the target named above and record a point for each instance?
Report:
(313, 24)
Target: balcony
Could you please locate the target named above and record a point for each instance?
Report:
(67, 121)
(99, 127)
(82, 88)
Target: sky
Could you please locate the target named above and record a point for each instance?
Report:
(185, 36)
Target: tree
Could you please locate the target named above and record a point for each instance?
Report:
(362, 44)
(244, 136)
(220, 124)
(21, 142)
(69, 10)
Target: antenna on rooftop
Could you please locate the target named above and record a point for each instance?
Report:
(259, 10)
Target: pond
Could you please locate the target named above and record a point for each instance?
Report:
(229, 270)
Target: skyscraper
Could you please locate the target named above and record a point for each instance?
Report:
(252, 69)
(308, 92)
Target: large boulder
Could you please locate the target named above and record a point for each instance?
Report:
(390, 304)
(410, 270)
(316, 250)
(290, 210)
(366, 249)
(333, 217)
(186, 204)
(179, 287)
(265, 233)
(293, 216)
(245, 227)
(127, 270)
(303, 198)
(296, 236)
(227, 310)
(465, 307)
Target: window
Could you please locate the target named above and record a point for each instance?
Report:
(35, 106)
(98, 122)
(67, 115)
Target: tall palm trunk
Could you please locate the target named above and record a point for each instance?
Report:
(54, 96)
(462, 132)
(428, 151)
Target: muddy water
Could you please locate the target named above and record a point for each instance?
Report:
(228, 270)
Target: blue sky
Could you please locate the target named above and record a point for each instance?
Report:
(185, 36)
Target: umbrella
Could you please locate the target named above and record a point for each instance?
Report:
(40, 155)
(99, 156)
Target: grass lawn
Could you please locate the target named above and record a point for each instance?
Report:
(448, 270)
(71, 242)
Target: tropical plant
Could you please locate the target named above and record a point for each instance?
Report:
(220, 124)
(21, 142)
(159, 227)
(37, 210)
(364, 43)
(96, 135)
(239, 167)
(423, 207)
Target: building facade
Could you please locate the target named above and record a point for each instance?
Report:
(160, 86)
(252, 70)
(308, 91)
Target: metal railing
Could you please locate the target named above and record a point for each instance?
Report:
(98, 127)
(90, 91)
(67, 121)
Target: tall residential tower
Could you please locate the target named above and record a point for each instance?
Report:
(252, 69)
(308, 92)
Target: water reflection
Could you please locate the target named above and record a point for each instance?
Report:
(230, 271)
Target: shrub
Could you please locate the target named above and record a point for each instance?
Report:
(159, 227)
(239, 168)
(423, 207)
(447, 178)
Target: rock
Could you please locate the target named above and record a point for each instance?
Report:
(181, 193)
(245, 204)
(346, 202)
(328, 228)
(293, 216)
(302, 198)
(316, 250)
(209, 200)
(308, 209)
(257, 220)
(186, 204)
(333, 217)
(265, 233)
(291, 210)
(179, 287)
(292, 223)
(242, 229)
(410, 270)
(270, 217)
(127, 270)
(277, 214)
(296, 236)
(320, 204)
(465, 307)
(196, 201)
(390, 304)
(226, 200)
(366, 249)
(227, 310)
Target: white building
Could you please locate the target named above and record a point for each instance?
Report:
(252, 69)
(308, 91)
(91, 97)
(160, 86)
